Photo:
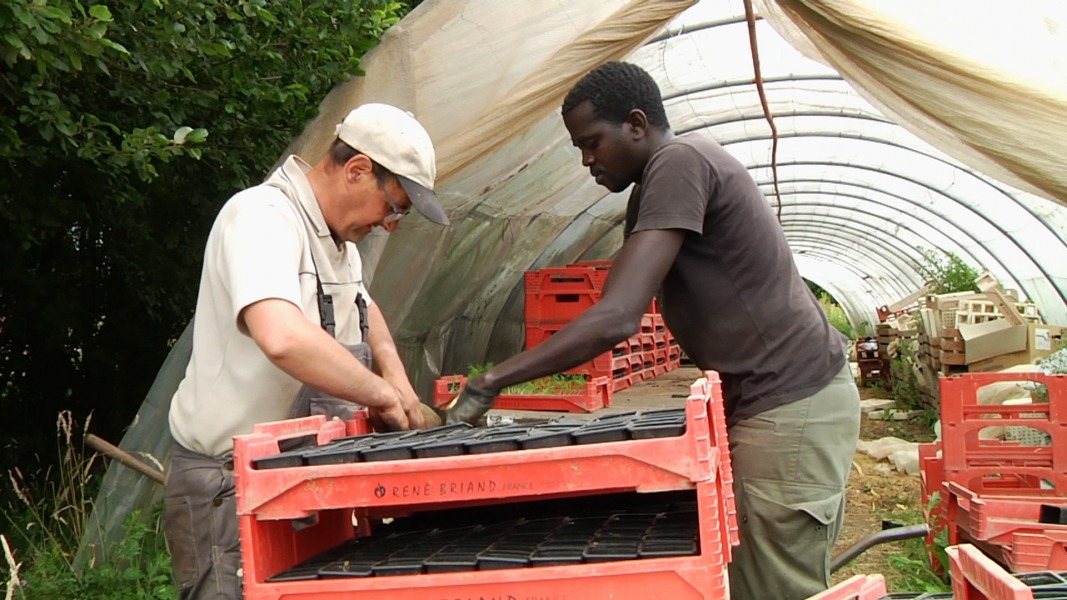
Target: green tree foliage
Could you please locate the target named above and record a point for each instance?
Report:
(123, 128)
(948, 272)
(834, 313)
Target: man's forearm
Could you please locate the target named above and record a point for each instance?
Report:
(312, 356)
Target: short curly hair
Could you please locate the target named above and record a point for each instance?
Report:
(615, 88)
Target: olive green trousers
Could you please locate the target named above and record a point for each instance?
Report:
(790, 468)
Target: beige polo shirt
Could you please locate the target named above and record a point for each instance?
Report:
(262, 245)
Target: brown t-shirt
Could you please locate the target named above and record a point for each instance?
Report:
(734, 298)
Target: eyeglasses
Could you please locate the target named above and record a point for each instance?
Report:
(397, 212)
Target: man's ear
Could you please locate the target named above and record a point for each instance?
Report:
(357, 167)
(637, 122)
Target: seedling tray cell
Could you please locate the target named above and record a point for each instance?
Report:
(347, 568)
(612, 432)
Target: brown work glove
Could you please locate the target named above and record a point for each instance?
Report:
(470, 406)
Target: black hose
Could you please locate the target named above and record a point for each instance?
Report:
(886, 535)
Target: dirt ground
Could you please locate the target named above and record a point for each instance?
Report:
(875, 488)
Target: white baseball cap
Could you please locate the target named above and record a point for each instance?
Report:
(393, 138)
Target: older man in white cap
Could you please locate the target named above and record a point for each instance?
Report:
(285, 327)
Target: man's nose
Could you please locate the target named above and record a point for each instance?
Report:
(391, 226)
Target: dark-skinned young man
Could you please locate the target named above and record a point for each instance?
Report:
(701, 235)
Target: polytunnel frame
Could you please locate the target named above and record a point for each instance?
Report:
(935, 217)
(997, 257)
(842, 225)
(855, 209)
(814, 249)
(977, 211)
(885, 252)
(975, 175)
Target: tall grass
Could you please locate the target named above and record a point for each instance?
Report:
(836, 316)
(47, 520)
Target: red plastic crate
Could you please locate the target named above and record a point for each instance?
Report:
(614, 364)
(710, 386)
(605, 265)
(596, 395)
(979, 464)
(931, 478)
(652, 323)
(1008, 528)
(655, 341)
(975, 576)
(269, 500)
(994, 517)
(623, 382)
(859, 587)
(991, 490)
(560, 295)
(1037, 551)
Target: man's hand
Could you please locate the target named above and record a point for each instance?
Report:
(389, 418)
(471, 404)
(409, 400)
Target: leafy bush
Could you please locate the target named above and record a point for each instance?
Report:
(123, 128)
(137, 568)
(906, 391)
(948, 272)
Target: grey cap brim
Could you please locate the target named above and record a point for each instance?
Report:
(425, 201)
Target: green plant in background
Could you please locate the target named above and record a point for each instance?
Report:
(911, 568)
(865, 329)
(137, 568)
(947, 271)
(836, 316)
(558, 384)
(45, 530)
(834, 313)
(905, 383)
(124, 126)
(1053, 364)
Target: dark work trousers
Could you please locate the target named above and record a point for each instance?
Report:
(200, 523)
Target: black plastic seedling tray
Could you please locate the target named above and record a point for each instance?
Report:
(459, 439)
(500, 538)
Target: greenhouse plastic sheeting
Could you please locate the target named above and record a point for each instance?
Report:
(897, 127)
(860, 194)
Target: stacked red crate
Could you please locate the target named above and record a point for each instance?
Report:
(860, 587)
(290, 514)
(977, 577)
(1005, 497)
(556, 296)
